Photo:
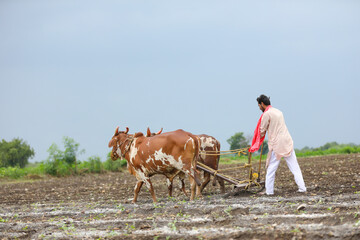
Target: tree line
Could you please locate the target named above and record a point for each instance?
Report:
(64, 161)
(60, 162)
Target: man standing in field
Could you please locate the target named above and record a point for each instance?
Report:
(280, 144)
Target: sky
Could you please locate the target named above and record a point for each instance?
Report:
(81, 68)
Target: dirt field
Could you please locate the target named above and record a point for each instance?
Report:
(98, 207)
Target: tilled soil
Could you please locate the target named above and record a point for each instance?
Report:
(98, 206)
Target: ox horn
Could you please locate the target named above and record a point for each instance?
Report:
(148, 133)
(127, 130)
(159, 131)
(117, 130)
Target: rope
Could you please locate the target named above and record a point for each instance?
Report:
(227, 152)
(234, 150)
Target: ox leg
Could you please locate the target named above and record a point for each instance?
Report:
(194, 182)
(170, 180)
(195, 189)
(137, 190)
(170, 186)
(222, 185)
(206, 181)
(192, 187)
(198, 192)
(151, 189)
(183, 185)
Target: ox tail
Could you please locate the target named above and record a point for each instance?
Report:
(195, 159)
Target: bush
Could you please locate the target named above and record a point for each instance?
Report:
(58, 168)
(62, 163)
(327, 149)
(12, 172)
(93, 165)
(114, 166)
(17, 172)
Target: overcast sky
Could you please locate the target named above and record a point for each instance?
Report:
(81, 68)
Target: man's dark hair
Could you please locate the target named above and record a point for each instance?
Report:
(263, 99)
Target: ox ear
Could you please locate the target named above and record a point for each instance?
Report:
(111, 143)
(148, 133)
(159, 131)
(127, 130)
(116, 130)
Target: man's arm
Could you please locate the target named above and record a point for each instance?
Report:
(264, 126)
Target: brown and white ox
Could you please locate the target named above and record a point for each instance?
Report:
(168, 154)
(177, 173)
(207, 143)
(212, 145)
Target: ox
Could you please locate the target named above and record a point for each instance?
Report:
(180, 174)
(168, 154)
(209, 143)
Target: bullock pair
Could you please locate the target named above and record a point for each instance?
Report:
(171, 154)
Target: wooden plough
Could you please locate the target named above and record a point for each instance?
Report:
(253, 178)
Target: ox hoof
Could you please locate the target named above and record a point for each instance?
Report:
(200, 196)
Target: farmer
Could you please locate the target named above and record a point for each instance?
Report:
(280, 144)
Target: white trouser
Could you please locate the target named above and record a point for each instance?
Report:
(292, 165)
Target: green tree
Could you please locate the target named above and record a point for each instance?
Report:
(71, 150)
(329, 145)
(15, 153)
(237, 141)
(60, 162)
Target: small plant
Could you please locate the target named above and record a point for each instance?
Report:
(121, 207)
(357, 223)
(157, 206)
(295, 230)
(172, 199)
(172, 225)
(129, 228)
(181, 202)
(3, 220)
(112, 233)
(228, 210)
(180, 214)
(67, 229)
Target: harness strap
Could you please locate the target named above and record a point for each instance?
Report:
(127, 147)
